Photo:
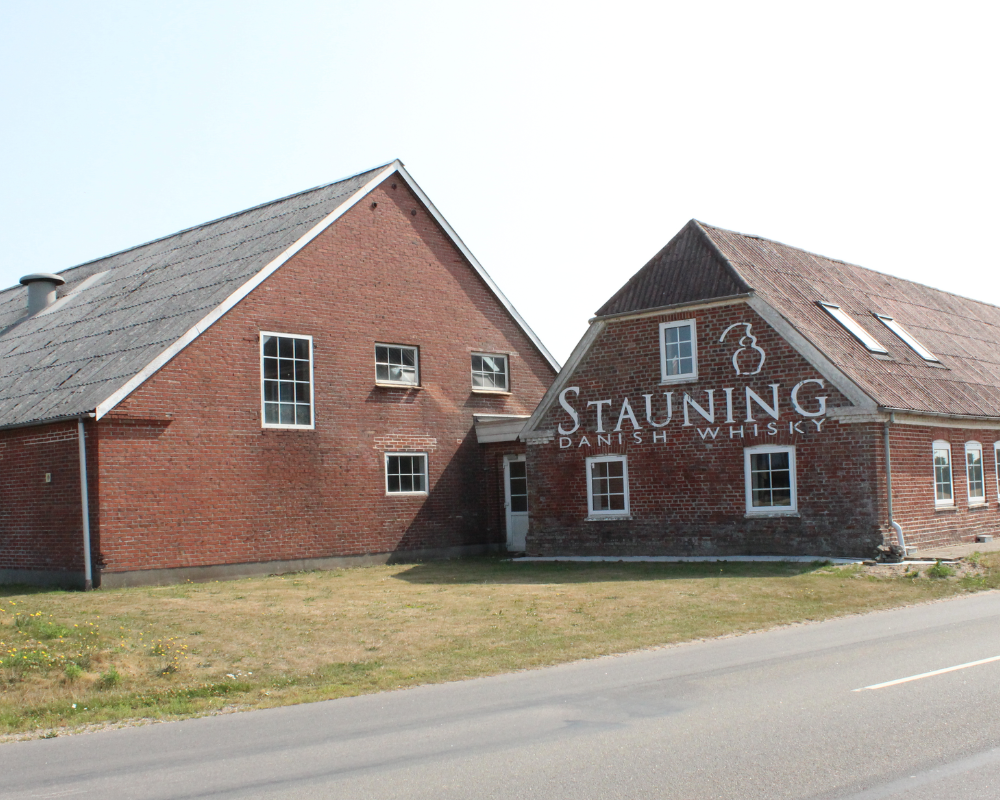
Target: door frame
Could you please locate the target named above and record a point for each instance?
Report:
(506, 494)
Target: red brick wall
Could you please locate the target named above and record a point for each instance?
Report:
(189, 477)
(687, 493)
(913, 493)
(41, 526)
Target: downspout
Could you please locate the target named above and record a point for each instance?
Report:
(88, 575)
(888, 483)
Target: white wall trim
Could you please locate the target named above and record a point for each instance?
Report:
(564, 376)
(219, 311)
(457, 241)
(213, 316)
(659, 311)
(813, 355)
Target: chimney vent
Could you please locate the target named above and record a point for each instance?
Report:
(41, 290)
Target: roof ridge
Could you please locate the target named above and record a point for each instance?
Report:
(221, 219)
(846, 263)
(729, 266)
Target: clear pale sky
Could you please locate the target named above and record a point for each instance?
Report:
(566, 143)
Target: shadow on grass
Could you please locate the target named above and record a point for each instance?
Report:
(492, 570)
(21, 589)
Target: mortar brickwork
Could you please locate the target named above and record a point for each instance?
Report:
(41, 521)
(687, 493)
(186, 475)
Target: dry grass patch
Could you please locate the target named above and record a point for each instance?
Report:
(70, 659)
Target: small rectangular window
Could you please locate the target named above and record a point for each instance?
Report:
(996, 465)
(489, 373)
(903, 334)
(943, 494)
(678, 351)
(974, 472)
(607, 486)
(769, 473)
(853, 327)
(397, 364)
(286, 380)
(406, 473)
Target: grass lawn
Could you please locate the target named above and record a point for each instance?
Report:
(70, 659)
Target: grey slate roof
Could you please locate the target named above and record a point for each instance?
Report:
(964, 334)
(68, 359)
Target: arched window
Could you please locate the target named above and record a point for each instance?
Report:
(943, 493)
(974, 472)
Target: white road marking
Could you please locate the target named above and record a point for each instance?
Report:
(928, 674)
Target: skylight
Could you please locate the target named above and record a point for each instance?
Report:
(903, 334)
(853, 327)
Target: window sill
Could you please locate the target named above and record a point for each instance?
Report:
(946, 508)
(384, 385)
(272, 426)
(976, 506)
(406, 494)
(491, 391)
(679, 379)
(770, 514)
(609, 518)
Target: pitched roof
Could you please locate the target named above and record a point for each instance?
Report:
(964, 334)
(121, 317)
(689, 269)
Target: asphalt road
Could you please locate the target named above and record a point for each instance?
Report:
(768, 715)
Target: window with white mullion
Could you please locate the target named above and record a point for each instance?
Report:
(489, 372)
(769, 472)
(406, 473)
(974, 473)
(996, 465)
(607, 486)
(943, 487)
(678, 351)
(286, 380)
(396, 363)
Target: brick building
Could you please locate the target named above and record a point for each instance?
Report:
(739, 396)
(293, 386)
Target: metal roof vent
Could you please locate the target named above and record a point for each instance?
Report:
(41, 290)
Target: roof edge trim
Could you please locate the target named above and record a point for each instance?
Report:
(49, 421)
(813, 355)
(562, 379)
(213, 316)
(913, 416)
(457, 241)
(732, 299)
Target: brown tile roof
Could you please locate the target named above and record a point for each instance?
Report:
(964, 334)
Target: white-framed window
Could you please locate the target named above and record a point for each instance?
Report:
(944, 494)
(849, 323)
(974, 473)
(905, 335)
(678, 351)
(489, 373)
(607, 486)
(406, 473)
(769, 472)
(397, 364)
(286, 380)
(996, 465)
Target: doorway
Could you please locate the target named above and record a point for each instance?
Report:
(515, 482)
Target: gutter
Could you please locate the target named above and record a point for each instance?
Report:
(888, 484)
(942, 414)
(88, 575)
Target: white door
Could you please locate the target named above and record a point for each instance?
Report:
(515, 482)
